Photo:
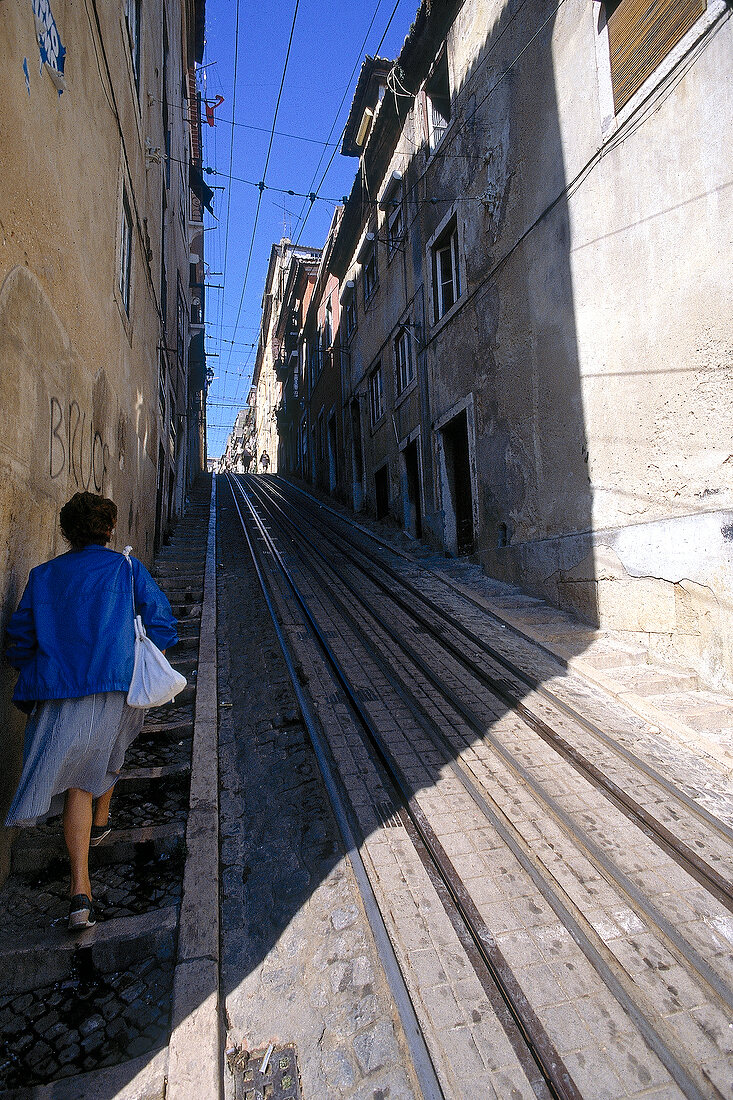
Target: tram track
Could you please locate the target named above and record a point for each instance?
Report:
(657, 1036)
(316, 510)
(477, 726)
(507, 690)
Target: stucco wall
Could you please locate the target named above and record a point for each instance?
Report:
(78, 371)
(591, 345)
(599, 351)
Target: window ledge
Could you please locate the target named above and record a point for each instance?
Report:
(404, 394)
(443, 321)
(370, 300)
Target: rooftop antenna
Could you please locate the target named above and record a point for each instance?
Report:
(287, 222)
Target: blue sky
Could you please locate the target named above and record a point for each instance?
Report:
(325, 57)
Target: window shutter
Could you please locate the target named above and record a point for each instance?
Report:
(640, 35)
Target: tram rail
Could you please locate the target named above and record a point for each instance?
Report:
(700, 868)
(555, 1078)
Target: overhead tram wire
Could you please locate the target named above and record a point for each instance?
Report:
(264, 174)
(249, 126)
(326, 143)
(231, 148)
(219, 316)
(338, 112)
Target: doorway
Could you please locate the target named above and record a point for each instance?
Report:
(332, 468)
(159, 496)
(381, 488)
(456, 485)
(357, 456)
(413, 502)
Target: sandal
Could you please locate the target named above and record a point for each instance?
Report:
(81, 913)
(99, 832)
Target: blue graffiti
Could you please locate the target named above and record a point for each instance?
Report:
(53, 54)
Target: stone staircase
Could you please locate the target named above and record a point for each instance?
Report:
(84, 1015)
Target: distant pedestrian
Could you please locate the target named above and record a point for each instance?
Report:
(246, 461)
(72, 639)
(265, 462)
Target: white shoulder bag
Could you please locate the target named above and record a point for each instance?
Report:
(154, 680)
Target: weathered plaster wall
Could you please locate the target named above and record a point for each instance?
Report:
(599, 350)
(78, 375)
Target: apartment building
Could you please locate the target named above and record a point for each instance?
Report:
(535, 305)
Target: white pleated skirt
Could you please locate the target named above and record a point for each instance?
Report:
(72, 743)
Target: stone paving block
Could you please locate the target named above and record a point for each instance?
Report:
(464, 1054)
(518, 948)
(634, 1062)
(541, 986)
(593, 1074)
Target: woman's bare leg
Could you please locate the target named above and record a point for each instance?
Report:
(101, 807)
(77, 828)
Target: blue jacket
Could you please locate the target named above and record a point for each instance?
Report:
(73, 632)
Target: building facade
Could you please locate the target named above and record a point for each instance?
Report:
(101, 273)
(535, 305)
(268, 375)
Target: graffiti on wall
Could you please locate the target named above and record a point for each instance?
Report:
(76, 448)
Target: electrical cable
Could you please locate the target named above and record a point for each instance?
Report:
(257, 129)
(311, 196)
(231, 143)
(264, 173)
(331, 159)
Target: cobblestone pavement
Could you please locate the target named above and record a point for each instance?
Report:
(71, 1007)
(298, 959)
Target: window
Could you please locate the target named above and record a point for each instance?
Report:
(328, 326)
(395, 225)
(446, 271)
(132, 18)
(313, 364)
(376, 394)
(640, 35)
(403, 360)
(370, 273)
(126, 252)
(350, 316)
(180, 324)
(437, 92)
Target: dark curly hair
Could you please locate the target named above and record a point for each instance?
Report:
(88, 518)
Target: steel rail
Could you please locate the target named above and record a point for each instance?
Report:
(684, 951)
(422, 1062)
(692, 1083)
(691, 861)
(536, 685)
(553, 1071)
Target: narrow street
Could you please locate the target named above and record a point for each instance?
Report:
(370, 365)
(450, 865)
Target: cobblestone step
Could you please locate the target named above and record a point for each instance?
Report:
(49, 955)
(121, 846)
(92, 1012)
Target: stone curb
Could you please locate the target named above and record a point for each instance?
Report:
(194, 1053)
